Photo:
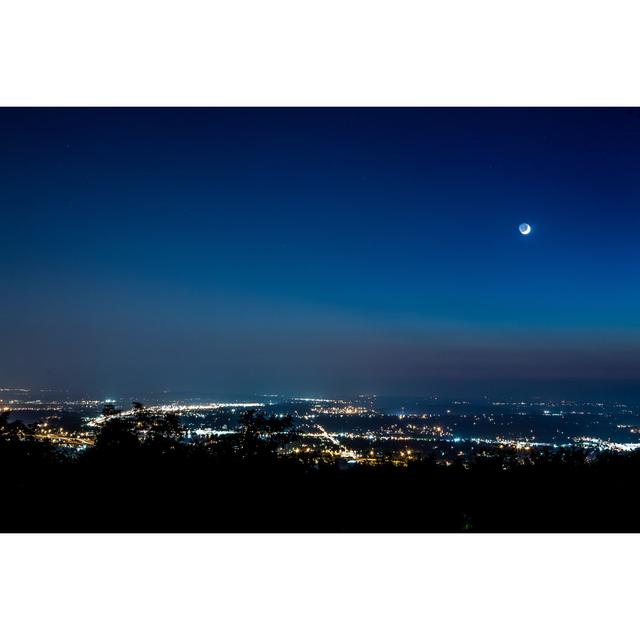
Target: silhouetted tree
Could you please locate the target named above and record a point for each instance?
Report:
(116, 438)
(11, 430)
(141, 416)
(262, 435)
(19, 447)
(109, 410)
(169, 426)
(164, 433)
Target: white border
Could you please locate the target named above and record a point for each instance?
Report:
(318, 586)
(321, 52)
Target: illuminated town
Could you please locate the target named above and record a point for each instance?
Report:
(366, 430)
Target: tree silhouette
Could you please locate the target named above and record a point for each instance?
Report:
(262, 435)
(11, 430)
(141, 416)
(19, 447)
(116, 438)
(109, 410)
(164, 433)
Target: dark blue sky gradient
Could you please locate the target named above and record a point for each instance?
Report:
(324, 251)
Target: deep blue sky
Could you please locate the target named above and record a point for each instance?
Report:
(325, 251)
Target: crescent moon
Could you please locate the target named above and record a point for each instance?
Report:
(525, 229)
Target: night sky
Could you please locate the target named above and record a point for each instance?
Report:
(321, 251)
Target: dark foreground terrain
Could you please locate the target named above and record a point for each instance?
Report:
(212, 496)
(243, 483)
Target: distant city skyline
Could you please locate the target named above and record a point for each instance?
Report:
(321, 251)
